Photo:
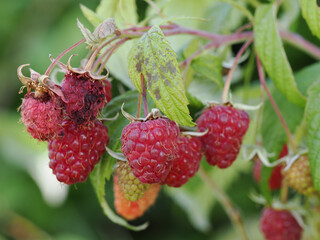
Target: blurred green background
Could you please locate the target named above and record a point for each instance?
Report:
(32, 204)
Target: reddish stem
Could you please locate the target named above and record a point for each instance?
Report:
(139, 105)
(274, 104)
(50, 68)
(144, 95)
(110, 52)
(228, 81)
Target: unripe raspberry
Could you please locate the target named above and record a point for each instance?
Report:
(276, 177)
(130, 186)
(226, 128)
(279, 225)
(76, 149)
(41, 116)
(85, 96)
(132, 210)
(299, 176)
(186, 163)
(150, 147)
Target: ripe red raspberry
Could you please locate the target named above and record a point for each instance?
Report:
(85, 96)
(130, 186)
(186, 163)
(76, 149)
(299, 176)
(107, 90)
(41, 116)
(276, 175)
(279, 225)
(226, 128)
(132, 210)
(150, 148)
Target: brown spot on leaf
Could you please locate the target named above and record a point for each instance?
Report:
(171, 68)
(157, 93)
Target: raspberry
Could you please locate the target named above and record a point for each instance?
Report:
(107, 90)
(299, 176)
(186, 163)
(131, 187)
(85, 96)
(76, 149)
(226, 128)
(276, 175)
(132, 210)
(150, 148)
(41, 116)
(279, 225)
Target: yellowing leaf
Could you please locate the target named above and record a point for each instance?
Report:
(153, 57)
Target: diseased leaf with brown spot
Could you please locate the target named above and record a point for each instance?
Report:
(155, 59)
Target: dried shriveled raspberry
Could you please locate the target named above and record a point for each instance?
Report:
(279, 225)
(85, 96)
(186, 163)
(76, 149)
(41, 116)
(150, 148)
(276, 175)
(132, 210)
(299, 176)
(226, 128)
(131, 187)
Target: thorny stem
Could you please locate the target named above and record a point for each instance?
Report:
(56, 60)
(226, 203)
(229, 77)
(144, 95)
(274, 104)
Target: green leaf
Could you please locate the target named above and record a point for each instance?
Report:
(209, 66)
(92, 17)
(153, 57)
(271, 52)
(313, 126)
(97, 178)
(124, 12)
(311, 13)
(307, 76)
(273, 134)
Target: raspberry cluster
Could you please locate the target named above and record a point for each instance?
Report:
(76, 139)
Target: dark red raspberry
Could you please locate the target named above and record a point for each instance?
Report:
(150, 148)
(41, 116)
(279, 225)
(186, 163)
(76, 149)
(276, 175)
(226, 128)
(107, 90)
(85, 96)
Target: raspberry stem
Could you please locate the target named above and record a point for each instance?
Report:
(50, 68)
(228, 81)
(226, 203)
(274, 104)
(139, 105)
